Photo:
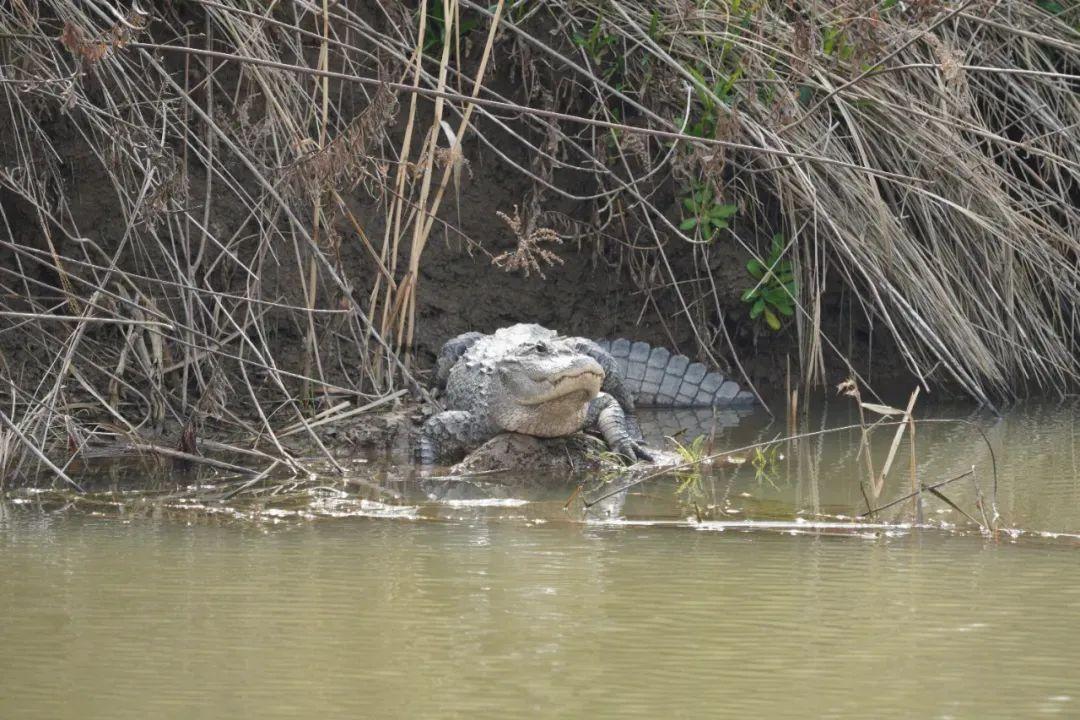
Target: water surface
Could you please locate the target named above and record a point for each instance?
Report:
(741, 592)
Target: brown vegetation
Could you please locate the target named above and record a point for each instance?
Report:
(219, 214)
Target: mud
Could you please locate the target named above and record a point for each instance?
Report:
(560, 457)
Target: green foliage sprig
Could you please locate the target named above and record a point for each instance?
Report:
(774, 287)
(693, 454)
(705, 213)
(602, 48)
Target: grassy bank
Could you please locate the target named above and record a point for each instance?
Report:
(216, 216)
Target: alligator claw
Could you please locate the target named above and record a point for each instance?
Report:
(634, 451)
(644, 453)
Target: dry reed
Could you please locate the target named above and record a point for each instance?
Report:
(922, 155)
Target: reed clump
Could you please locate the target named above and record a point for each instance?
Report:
(923, 155)
(179, 185)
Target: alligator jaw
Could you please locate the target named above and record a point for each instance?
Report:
(585, 381)
(569, 373)
(560, 415)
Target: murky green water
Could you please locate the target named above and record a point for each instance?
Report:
(747, 594)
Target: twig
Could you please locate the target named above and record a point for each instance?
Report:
(37, 452)
(79, 318)
(180, 455)
(922, 488)
(345, 415)
(538, 112)
(258, 478)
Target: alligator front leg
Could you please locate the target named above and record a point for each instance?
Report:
(613, 381)
(449, 435)
(614, 384)
(606, 415)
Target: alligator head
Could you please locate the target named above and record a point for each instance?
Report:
(543, 388)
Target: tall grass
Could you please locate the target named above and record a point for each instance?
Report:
(966, 254)
(921, 154)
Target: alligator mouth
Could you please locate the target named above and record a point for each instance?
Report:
(577, 381)
(572, 374)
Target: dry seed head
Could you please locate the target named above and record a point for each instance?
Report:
(848, 387)
(636, 145)
(92, 51)
(346, 160)
(528, 255)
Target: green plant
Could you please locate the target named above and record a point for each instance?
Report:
(834, 42)
(705, 213)
(654, 25)
(1051, 6)
(773, 293)
(602, 48)
(694, 452)
(719, 93)
(435, 29)
(689, 489)
(765, 462)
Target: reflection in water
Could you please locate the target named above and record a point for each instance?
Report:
(1036, 447)
(353, 603)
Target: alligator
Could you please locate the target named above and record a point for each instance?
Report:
(531, 380)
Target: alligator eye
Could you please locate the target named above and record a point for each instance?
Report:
(541, 348)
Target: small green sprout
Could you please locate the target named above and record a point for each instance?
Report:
(690, 489)
(603, 48)
(705, 214)
(766, 464)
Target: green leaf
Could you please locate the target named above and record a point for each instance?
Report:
(688, 224)
(654, 24)
(786, 309)
(723, 211)
(729, 83)
(831, 35)
(755, 268)
(690, 205)
(757, 309)
(774, 295)
(719, 224)
(771, 320)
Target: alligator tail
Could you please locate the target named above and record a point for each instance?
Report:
(658, 378)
